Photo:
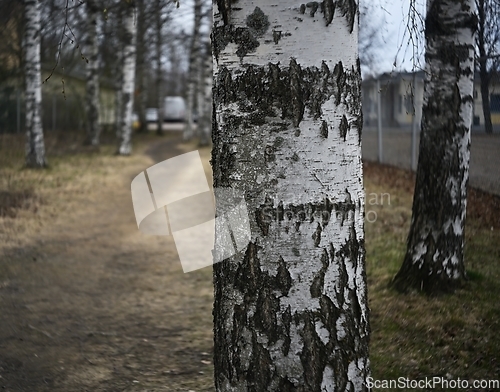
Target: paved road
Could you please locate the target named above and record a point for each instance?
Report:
(485, 155)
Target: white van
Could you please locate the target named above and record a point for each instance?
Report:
(174, 109)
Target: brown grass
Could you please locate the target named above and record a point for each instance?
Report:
(88, 303)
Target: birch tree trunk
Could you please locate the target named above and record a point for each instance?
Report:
(141, 76)
(129, 58)
(92, 73)
(118, 75)
(35, 147)
(434, 260)
(159, 79)
(194, 64)
(290, 312)
(204, 96)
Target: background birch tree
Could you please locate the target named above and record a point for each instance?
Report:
(128, 84)
(141, 62)
(291, 312)
(204, 95)
(434, 260)
(92, 73)
(194, 64)
(159, 21)
(488, 48)
(35, 147)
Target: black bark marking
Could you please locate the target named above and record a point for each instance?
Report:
(317, 235)
(269, 154)
(289, 91)
(329, 315)
(316, 289)
(342, 209)
(246, 42)
(340, 76)
(285, 385)
(276, 36)
(313, 355)
(283, 278)
(260, 367)
(258, 22)
(313, 5)
(324, 129)
(296, 92)
(344, 127)
(222, 155)
(248, 277)
(224, 7)
(302, 9)
(329, 10)
(286, 321)
(265, 314)
(239, 320)
(349, 10)
(244, 37)
(264, 215)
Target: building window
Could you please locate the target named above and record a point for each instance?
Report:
(474, 95)
(400, 104)
(495, 103)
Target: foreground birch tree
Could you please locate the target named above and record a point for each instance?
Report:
(128, 75)
(35, 147)
(92, 74)
(290, 312)
(434, 260)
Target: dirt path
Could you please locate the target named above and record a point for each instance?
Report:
(94, 305)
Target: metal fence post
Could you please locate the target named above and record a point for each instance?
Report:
(54, 112)
(379, 118)
(18, 111)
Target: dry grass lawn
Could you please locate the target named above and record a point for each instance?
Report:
(89, 303)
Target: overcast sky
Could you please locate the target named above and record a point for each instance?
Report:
(396, 45)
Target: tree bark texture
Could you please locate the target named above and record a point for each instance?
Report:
(194, 64)
(92, 74)
(290, 312)
(129, 60)
(434, 260)
(35, 147)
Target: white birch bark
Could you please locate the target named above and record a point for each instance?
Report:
(434, 260)
(92, 74)
(141, 66)
(290, 314)
(35, 147)
(194, 64)
(118, 75)
(129, 60)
